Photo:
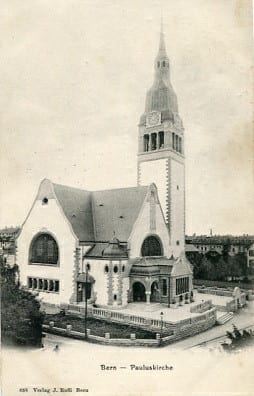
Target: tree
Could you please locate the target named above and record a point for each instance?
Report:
(21, 321)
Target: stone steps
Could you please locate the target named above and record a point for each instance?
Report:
(225, 318)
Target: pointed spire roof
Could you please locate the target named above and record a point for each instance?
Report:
(162, 46)
(161, 96)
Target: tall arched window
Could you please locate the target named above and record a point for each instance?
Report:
(151, 247)
(44, 250)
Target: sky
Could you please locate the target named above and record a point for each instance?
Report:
(74, 75)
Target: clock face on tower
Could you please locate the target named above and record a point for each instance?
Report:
(153, 119)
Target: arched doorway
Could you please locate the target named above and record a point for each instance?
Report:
(139, 292)
(155, 292)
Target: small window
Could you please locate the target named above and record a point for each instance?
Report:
(146, 142)
(45, 201)
(106, 268)
(164, 287)
(115, 269)
(88, 266)
(178, 243)
(163, 63)
(161, 140)
(174, 141)
(177, 187)
(123, 268)
(45, 284)
(158, 64)
(115, 297)
(30, 283)
(56, 286)
(154, 141)
(40, 284)
(51, 285)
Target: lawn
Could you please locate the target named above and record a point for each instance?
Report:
(98, 327)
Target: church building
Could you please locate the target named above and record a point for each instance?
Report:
(118, 246)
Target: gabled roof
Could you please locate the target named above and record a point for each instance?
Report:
(77, 207)
(97, 216)
(115, 211)
(190, 248)
(181, 266)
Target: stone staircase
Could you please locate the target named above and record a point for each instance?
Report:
(224, 318)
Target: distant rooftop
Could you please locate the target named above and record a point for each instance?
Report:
(9, 231)
(244, 239)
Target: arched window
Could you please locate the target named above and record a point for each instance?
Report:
(146, 142)
(161, 139)
(151, 247)
(154, 141)
(44, 250)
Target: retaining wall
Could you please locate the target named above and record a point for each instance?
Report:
(181, 329)
(242, 285)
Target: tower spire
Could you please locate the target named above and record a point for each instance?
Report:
(162, 46)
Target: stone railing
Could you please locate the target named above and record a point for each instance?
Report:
(215, 292)
(202, 307)
(182, 329)
(166, 327)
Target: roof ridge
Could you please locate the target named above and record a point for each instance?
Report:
(95, 191)
(121, 188)
(70, 187)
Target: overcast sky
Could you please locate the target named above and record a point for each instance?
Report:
(74, 75)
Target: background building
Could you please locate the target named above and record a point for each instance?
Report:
(8, 237)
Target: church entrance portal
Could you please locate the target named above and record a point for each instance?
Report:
(139, 292)
(155, 293)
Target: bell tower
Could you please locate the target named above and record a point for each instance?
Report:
(161, 149)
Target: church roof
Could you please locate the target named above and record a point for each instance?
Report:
(103, 250)
(115, 211)
(96, 216)
(77, 207)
